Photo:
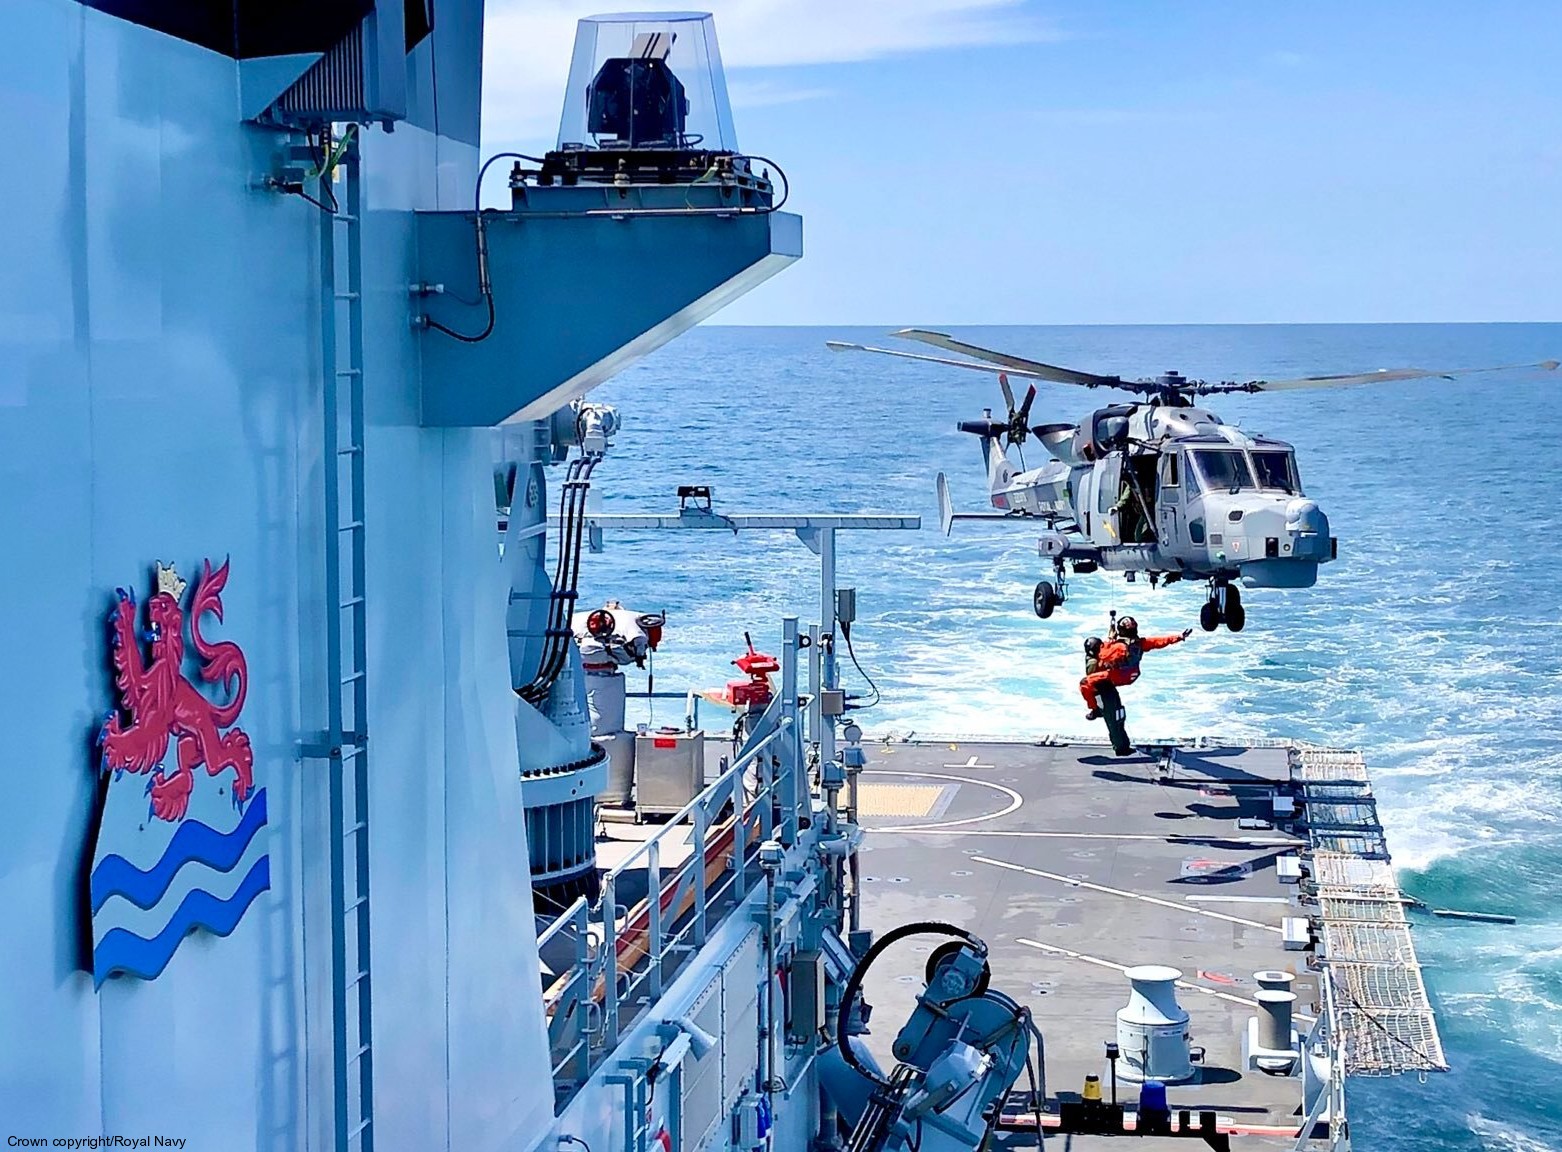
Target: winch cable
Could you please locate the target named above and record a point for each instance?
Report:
(854, 983)
(566, 579)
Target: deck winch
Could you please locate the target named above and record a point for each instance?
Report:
(960, 1052)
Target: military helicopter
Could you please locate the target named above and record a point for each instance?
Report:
(1157, 485)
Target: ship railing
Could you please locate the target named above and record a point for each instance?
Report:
(625, 956)
(569, 1043)
(1328, 1107)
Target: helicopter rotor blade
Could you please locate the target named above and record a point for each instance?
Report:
(1383, 375)
(1008, 393)
(844, 346)
(1017, 364)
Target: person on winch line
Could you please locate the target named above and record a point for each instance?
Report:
(1118, 660)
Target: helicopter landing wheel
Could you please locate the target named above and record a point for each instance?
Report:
(1209, 616)
(1045, 599)
(1236, 615)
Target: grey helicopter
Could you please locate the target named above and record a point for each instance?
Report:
(1157, 485)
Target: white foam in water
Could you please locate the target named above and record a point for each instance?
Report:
(1500, 1137)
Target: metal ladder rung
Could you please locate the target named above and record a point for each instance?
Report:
(342, 366)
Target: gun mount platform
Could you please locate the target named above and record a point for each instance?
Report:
(1074, 864)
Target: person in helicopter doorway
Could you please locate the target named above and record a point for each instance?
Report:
(1117, 661)
(1133, 518)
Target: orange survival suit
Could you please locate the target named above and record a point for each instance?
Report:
(1119, 659)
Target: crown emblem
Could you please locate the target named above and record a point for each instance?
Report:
(168, 581)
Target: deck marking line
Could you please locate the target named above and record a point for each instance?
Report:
(971, 763)
(1115, 967)
(1039, 834)
(1123, 892)
(1015, 799)
(1237, 899)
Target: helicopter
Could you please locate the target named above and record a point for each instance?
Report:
(1157, 485)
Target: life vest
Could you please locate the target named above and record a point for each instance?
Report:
(1130, 662)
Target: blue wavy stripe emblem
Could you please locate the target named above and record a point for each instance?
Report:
(197, 868)
(122, 952)
(193, 843)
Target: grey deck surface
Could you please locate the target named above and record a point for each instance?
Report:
(1067, 814)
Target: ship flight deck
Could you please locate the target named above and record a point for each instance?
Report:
(1075, 865)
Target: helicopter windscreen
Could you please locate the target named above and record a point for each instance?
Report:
(1277, 469)
(1223, 469)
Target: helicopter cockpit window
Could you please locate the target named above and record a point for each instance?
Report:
(1222, 469)
(1276, 469)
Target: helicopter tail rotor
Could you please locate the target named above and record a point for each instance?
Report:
(1021, 419)
(1018, 427)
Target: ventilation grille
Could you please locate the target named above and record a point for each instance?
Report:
(331, 90)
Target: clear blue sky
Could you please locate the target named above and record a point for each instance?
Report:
(979, 162)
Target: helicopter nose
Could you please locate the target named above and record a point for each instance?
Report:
(1308, 528)
(1304, 515)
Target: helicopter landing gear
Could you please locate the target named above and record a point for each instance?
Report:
(1209, 616)
(1046, 599)
(1236, 615)
(1224, 606)
(1049, 595)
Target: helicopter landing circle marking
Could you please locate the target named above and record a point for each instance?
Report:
(1014, 798)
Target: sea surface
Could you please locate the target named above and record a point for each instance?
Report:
(1434, 643)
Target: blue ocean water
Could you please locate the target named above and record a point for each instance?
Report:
(1434, 643)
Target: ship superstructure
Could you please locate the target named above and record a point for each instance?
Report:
(330, 827)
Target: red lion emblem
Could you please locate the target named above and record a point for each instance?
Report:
(161, 704)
